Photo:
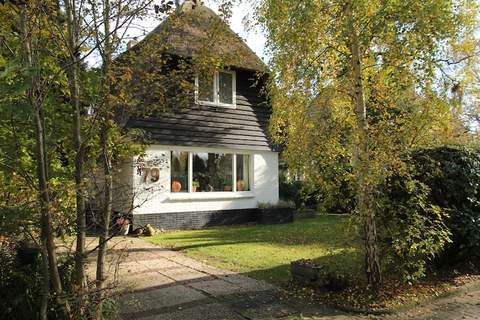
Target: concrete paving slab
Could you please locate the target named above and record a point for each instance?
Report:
(183, 274)
(151, 279)
(214, 311)
(246, 283)
(157, 299)
(159, 263)
(216, 287)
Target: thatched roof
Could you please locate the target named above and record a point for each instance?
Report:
(197, 30)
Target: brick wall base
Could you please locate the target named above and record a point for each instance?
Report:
(194, 220)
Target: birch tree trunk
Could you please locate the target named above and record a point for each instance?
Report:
(362, 161)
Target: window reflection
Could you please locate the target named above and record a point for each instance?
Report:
(179, 171)
(212, 172)
(243, 172)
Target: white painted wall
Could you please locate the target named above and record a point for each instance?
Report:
(157, 198)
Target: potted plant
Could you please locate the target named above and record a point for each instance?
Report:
(281, 212)
(305, 270)
(195, 186)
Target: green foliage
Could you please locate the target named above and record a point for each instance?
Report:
(432, 211)
(453, 176)
(312, 88)
(413, 231)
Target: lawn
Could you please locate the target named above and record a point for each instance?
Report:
(265, 251)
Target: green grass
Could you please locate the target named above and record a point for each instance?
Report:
(265, 251)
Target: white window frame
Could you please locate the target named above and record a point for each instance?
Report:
(216, 91)
(234, 174)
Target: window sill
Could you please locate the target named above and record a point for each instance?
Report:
(210, 196)
(217, 105)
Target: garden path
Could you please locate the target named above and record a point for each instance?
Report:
(464, 305)
(158, 283)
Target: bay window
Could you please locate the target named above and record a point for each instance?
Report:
(217, 91)
(210, 172)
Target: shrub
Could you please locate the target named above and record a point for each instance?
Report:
(453, 175)
(20, 285)
(280, 204)
(432, 212)
(290, 191)
(414, 231)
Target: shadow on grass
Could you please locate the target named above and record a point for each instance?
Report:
(329, 231)
(265, 251)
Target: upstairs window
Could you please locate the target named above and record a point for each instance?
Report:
(219, 91)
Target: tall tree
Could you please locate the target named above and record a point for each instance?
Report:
(381, 60)
(73, 71)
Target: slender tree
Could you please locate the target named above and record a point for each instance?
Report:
(32, 19)
(368, 67)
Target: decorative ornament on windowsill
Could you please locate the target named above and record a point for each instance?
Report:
(227, 187)
(195, 186)
(176, 186)
(241, 185)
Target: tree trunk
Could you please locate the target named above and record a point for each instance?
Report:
(35, 99)
(74, 86)
(107, 164)
(362, 161)
(46, 282)
(106, 214)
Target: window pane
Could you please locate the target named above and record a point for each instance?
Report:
(205, 88)
(243, 172)
(212, 172)
(179, 171)
(225, 90)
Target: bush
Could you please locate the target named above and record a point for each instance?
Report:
(432, 213)
(453, 175)
(20, 285)
(414, 231)
(290, 191)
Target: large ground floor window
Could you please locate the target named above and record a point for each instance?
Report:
(210, 172)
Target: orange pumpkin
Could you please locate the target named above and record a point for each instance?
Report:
(176, 186)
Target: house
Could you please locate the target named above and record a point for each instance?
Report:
(212, 162)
